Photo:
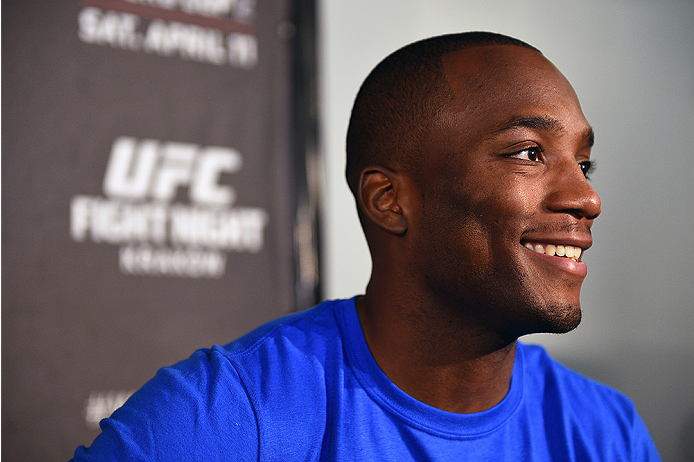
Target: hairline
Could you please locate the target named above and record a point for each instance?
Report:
(429, 98)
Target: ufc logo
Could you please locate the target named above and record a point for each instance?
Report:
(152, 169)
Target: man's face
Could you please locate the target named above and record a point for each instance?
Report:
(504, 173)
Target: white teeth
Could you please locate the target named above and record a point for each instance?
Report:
(567, 251)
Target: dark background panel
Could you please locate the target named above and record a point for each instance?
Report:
(74, 324)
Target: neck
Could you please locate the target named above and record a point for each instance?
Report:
(436, 357)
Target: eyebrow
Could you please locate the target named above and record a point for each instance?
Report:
(544, 123)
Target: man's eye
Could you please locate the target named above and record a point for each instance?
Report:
(587, 167)
(531, 154)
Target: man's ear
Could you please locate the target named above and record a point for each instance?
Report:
(380, 199)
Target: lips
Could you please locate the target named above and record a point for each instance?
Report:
(556, 250)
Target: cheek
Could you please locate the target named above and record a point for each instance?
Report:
(456, 231)
(513, 197)
(486, 229)
(477, 221)
(499, 210)
(504, 213)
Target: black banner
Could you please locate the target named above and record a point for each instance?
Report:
(154, 197)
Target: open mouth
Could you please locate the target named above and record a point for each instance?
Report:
(556, 250)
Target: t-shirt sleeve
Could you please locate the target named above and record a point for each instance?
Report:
(643, 446)
(195, 410)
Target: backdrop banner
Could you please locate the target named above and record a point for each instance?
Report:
(149, 199)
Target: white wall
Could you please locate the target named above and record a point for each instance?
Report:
(632, 65)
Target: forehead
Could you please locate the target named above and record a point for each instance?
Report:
(489, 85)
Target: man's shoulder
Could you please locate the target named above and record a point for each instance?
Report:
(285, 342)
(285, 355)
(575, 391)
(595, 417)
(307, 330)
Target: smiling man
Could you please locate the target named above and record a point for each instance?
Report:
(468, 156)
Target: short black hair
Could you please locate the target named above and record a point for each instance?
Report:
(400, 97)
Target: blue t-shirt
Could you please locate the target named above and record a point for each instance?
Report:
(306, 388)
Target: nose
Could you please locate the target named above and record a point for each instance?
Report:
(570, 192)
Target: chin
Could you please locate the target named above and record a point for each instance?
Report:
(545, 319)
(557, 319)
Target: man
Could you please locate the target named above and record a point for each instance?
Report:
(468, 156)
